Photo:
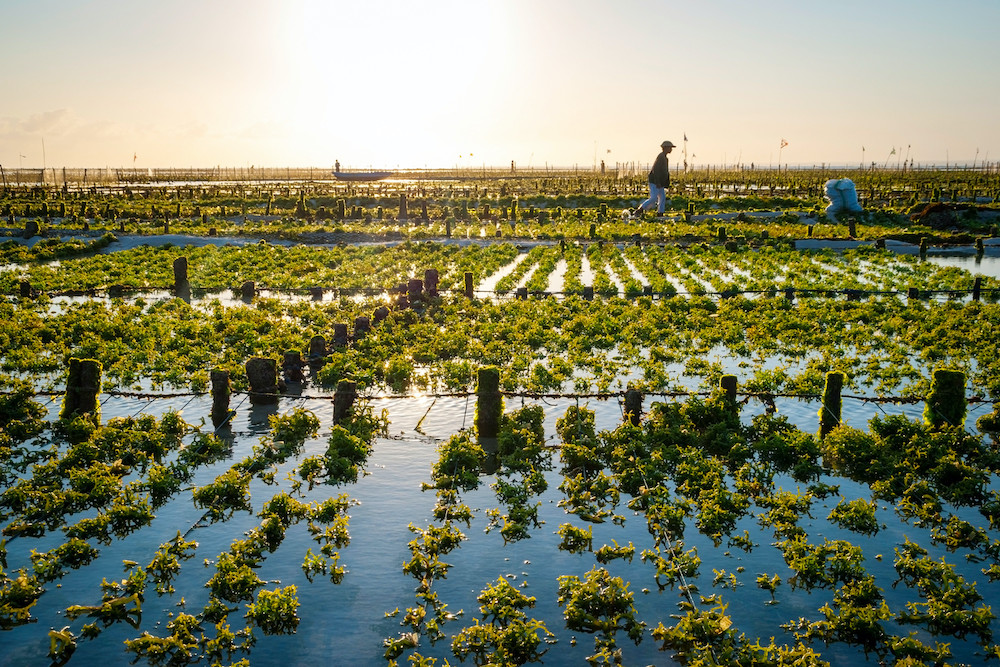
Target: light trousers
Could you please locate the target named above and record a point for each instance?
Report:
(657, 196)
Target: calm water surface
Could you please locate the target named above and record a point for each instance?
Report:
(345, 624)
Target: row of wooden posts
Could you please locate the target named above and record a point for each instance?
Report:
(946, 403)
(415, 289)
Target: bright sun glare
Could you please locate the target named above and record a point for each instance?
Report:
(361, 85)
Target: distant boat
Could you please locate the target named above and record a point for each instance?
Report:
(361, 175)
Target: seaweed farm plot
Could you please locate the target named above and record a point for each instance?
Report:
(423, 316)
(496, 453)
(394, 535)
(713, 205)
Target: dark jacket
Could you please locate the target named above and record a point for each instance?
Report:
(660, 174)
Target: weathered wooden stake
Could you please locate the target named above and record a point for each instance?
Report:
(262, 374)
(291, 366)
(489, 408)
(431, 282)
(180, 272)
(83, 384)
(317, 348)
(340, 335)
(977, 288)
(414, 290)
(220, 397)
(248, 290)
(468, 285)
(343, 400)
(728, 383)
(588, 292)
(316, 293)
(362, 325)
(946, 403)
(633, 406)
(829, 414)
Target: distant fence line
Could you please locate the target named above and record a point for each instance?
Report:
(78, 176)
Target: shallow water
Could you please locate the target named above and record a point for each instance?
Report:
(345, 624)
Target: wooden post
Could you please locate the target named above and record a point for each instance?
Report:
(317, 349)
(362, 325)
(431, 282)
(220, 397)
(729, 384)
(343, 401)
(25, 289)
(180, 272)
(415, 290)
(468, 285)
(379, 314)
(946, 403)
(489, 408)
(262, 374)
(83, 385)
(977, 288)
(316, 293)
(291, 366)
(248, 290)
(829, 413)
(852, 228)
(588, 292)
(521, 293)
(340, 335)
(633, 406)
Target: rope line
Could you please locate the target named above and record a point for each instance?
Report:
(540, 396)
(336, 292)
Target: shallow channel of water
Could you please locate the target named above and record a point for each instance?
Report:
(345, 624)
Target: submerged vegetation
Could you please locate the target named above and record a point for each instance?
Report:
(877, 543)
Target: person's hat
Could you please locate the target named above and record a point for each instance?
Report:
(667, 144)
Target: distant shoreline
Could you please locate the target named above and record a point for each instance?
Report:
(57, 176)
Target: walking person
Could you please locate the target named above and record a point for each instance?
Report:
(659, 181)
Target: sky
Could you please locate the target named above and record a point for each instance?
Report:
(468, 83)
